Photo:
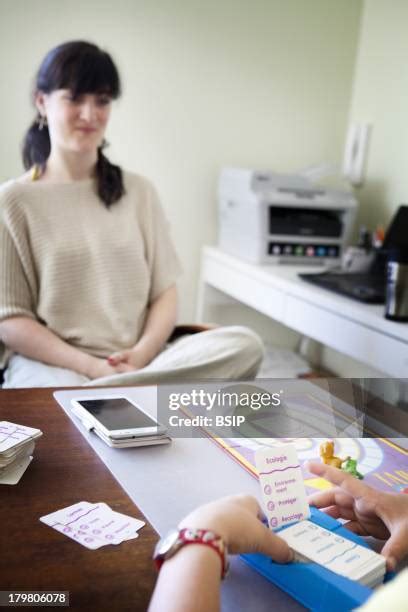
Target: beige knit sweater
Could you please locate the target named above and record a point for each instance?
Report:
(86, 272)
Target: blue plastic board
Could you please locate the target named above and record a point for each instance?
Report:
(311, 584)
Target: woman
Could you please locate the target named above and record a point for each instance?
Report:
(88, 269)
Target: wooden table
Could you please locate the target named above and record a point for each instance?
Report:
(65, 470)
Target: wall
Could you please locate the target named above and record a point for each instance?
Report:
(380, 96)
(260, 83)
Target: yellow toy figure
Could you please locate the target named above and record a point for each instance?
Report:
(328, 457)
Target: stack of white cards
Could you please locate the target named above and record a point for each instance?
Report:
(340, 555)
(17, 444)
(93, 525)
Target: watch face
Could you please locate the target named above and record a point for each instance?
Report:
(166, 543)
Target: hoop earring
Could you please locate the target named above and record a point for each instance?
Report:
(42, 121)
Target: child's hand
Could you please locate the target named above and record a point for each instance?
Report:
(368, 511)
(237, 520)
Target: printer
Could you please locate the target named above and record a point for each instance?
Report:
(266, 217)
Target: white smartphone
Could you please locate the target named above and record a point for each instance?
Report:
(117, 416)
(132, 442)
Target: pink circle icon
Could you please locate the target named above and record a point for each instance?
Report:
(88, 539)
(273, 522)
(271, 506)
(267, 489)
(67, 529)
(85, 526)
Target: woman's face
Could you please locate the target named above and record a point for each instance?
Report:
(77, 123)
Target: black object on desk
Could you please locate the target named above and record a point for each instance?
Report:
(369, 286)
(396, 305)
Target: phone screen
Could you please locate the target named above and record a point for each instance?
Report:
(117, 413)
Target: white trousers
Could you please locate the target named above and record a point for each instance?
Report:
(233, 352)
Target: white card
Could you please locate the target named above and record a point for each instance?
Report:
(281, 480)
(13, 474)
(12, 434)
(16, 455)
(314, 542)
(127, 526)
(331, 550)
(93, 525)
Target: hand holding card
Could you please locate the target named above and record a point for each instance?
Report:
(286, 508)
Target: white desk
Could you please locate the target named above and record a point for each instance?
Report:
(351, 327)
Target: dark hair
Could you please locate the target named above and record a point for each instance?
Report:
(83, 68)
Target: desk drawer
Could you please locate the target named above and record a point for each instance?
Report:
(382, 352)
(245, 289)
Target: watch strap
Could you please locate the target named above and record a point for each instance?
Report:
(205, 537)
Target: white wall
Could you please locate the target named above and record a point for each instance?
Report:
(262, 83)
(380, 96)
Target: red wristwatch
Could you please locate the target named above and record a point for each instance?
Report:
(168, 546)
